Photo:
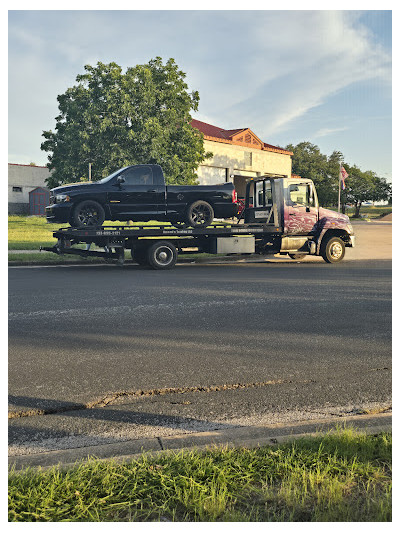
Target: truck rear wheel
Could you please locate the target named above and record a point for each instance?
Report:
(199, 214)
(87, 213)
(162, 255)
(332, 250)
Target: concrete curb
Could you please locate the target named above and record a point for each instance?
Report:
(249, 437)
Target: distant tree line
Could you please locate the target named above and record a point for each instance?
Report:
(309, 162)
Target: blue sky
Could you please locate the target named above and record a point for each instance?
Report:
(290, 76)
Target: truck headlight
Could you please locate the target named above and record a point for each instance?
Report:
(62, 198)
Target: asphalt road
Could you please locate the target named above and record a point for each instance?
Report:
(209, 345)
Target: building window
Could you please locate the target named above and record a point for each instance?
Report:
(17, 189)
(248, 159)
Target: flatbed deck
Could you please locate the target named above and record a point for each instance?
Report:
(90, 234)
(114, 240)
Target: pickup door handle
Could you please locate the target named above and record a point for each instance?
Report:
(152, 190)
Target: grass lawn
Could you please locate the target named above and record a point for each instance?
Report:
(342, 476)
(368, 211)
(29, 233)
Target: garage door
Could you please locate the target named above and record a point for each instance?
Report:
(211, 175)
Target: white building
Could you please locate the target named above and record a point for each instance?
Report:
(26, 186)
(238, 155)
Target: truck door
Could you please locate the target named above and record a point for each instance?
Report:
(301, 210)
(140, 193)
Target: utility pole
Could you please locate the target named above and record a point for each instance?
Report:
(90, 171)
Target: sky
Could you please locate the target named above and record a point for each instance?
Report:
(289, 76)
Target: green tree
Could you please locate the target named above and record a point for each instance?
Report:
(309, 162)
(112, 120)
(363, 187)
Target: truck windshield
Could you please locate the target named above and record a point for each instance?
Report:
(111, 176)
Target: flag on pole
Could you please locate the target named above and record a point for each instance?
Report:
(343, 176)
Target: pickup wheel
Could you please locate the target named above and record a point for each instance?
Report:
(162, 255)
(199, 214)
(297, 257)
(332, 250)
(87, 213)
(139, 256)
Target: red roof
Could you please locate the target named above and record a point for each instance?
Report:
(215, 133)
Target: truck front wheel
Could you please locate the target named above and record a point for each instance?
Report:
(87, 213)
(200, 214)
(332, 250)
(162, 255)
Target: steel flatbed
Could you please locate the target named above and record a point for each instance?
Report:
(142, 240)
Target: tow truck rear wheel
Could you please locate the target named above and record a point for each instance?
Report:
(162, 255)
(297, 257)
(199, 214)
(332, 250)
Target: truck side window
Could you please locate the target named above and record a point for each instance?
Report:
(299, 194)
(138, 176)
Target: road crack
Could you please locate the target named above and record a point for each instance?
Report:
(143, 393)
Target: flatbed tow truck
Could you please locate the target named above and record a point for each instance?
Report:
(281, 215)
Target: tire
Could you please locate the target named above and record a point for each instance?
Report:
(139, 256)
(87, 213)
(332, 250)
(162, 255)
(199, 214)
(297, 257)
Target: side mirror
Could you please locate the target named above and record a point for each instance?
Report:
(119, 180)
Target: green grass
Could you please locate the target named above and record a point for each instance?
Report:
(368, 211)
(50, 257)
(342, 476)
(29, 233)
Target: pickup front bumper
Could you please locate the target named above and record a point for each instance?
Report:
(56, 213)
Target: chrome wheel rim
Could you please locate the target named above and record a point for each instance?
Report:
(336, 250)
(164, 256)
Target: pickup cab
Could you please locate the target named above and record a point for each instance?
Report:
(139, 193)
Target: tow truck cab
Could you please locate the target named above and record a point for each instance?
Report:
(290, 207)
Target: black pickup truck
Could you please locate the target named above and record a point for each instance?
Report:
(139, 193)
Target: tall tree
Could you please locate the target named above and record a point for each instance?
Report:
(112, 120)
(309, 162)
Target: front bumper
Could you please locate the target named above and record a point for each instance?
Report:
(352, 241)
(58, 213)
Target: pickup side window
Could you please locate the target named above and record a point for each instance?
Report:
(138, 176)
(302, 193)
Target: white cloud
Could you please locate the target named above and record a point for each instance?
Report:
(323, 132)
